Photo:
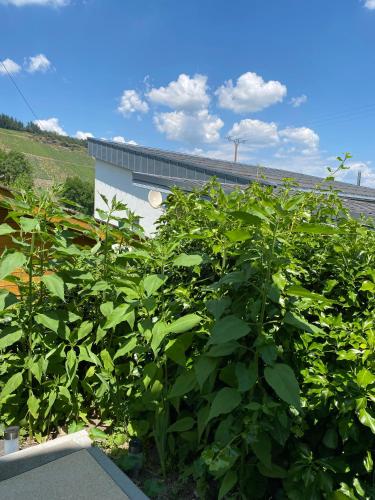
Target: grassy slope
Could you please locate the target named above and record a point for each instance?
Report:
(52, 162)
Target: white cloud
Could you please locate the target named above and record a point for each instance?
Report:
(83, 135)
(350, 175)
(370, 4)
(256, 133)
(42, 3)
(11, 67)
(51, 125)
(296, 102)
(121, 140)
(250, 93)
(38, 63)
(301, 135)
(195, 127)
(185, 93)
(131, 102)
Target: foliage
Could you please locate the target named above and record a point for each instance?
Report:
(240, 340)
(15, 170)
(80, 192)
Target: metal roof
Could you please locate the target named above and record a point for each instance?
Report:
(187, 170)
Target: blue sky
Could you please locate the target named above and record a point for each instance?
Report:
(295, 78)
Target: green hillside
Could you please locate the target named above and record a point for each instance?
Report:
(52, 161)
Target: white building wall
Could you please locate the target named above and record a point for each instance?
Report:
(117, 181)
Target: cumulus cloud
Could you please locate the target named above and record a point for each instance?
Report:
(38, 63)
(41, 3)
(10, 67)
(50, 125)
(196, 127)
(296, 102)
(83, 135)
(250, 93)
(185, 93)
(370, 4)
(350, 175)
(132, 102)
(301, 135)
(256, 132)
(121, 140)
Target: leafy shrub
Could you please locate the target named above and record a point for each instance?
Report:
(240, 340)
(15, 170)
(79, 194)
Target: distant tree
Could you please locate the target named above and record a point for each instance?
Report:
(33, 128)
(80, 192)
(10, 123)
(15, 170)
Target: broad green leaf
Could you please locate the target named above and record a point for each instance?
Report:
(183, 384)
(184, 324)
(12, 385)
(368, 462)
(28, 225)
(55, 285)
(315, 228)
(175, 350)
(53, 321)
(185, 260)
(364, 377)
(217, 351)
(7, 299)
(274, 471)
(203, 367)
(182, 425)
(283, 381)
(366, 419)
(262, 449)
(217, 307)
(6, 229)
(228, 482)
(227, 329)
(10, 263)
(51, 400)
(96, 433)
(238, 235)
(368, 286)
(246, 376)
(84, 329)
(33, 405)
(107, 360)
(123, 312)
(106, 308)
(248, 218)
(159, 331)
(10, 339)
(225, 401)
(125, 349)
(292, 319)
(152, 283)
(300, 291)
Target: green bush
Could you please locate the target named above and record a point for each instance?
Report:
(239, 341)
(78, 194)
(15, 170)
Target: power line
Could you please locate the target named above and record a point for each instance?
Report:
(19, 90)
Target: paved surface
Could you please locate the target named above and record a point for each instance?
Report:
(66, 468)
(77, 476)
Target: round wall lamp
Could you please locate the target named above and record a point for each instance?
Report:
(155, 199)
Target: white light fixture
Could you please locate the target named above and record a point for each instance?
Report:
(155, 199)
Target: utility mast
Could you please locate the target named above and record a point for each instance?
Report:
(359, 176)
(236, 141)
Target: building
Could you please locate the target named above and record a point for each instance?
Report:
(142, 177)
